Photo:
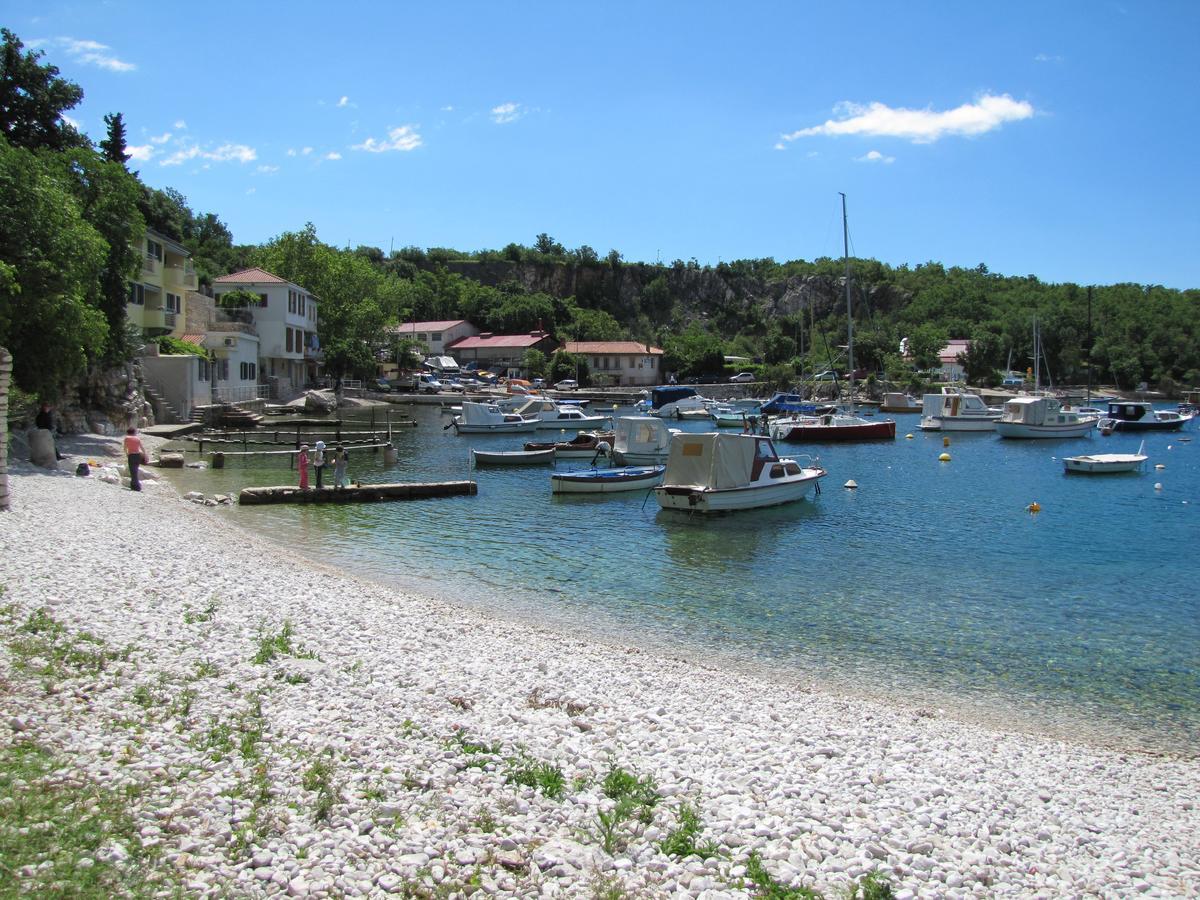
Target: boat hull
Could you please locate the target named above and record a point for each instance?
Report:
(1103, 463)
(957, 423)
(607, 481)
(870, 431)
(1156, 425)
(513, 457)
(1043, 432)
(500, 428)
(706, 500)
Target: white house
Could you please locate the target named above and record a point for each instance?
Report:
(286, 321)
(620, 362)
(436, 336)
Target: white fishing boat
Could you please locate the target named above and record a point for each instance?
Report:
(725, 415)
(900, 403)
(512, 457)
(954, 410)
(551, 414)
(606, 481)
(641, 441)
(709, 473)
(1041, 417)
(585, 445)
(673, 402)
(1097, 463)
(487, 418)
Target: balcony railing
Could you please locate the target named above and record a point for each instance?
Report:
(154, 318)
(150, 265)
(169, 319)
(181, 275)
(240, 393)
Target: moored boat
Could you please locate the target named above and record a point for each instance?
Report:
(584, 445)
(957, 411)
(1097, 463)
(831, 427)
(551, 414)
(512, 457)
(1041, 417)
(487, 418)
(1140, 415)
(713, 472)
(606, 481)
(899, 403)
(673, 401)
(641, 441)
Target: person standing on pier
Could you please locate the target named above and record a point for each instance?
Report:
(340, 458)
(319, 462)
(302, 465)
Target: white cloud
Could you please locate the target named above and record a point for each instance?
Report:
(180, 125)
(162, 138)
(74, 123)
(267, 170)
(345, 101)
(1048, 58)
(447, 109)
(291, 151)
(306, 151)
(921, 126)
(140, 152)
(402, 138)
(91, 53)
(225, 153)
(332, 154)
(875, 157)
(507, 112)
(780, 146)
(251, 190)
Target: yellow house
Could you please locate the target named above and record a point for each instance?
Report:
(156, 295)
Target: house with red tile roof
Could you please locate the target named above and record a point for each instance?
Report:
(501, 353)
(620, 362)
(435, 336)
(285, 318)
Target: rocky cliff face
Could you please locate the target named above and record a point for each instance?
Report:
(695, 293)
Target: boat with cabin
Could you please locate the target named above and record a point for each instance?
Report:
(957, 410)
(673, 401)
(1140, 415)
(714, 472)
(896, 402)
(551, 414)
(488, 418)
(1041, 417)
(641, 440)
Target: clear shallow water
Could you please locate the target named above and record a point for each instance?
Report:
(930, 582)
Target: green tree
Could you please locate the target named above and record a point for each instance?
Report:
(33, 100)
(925, 343)
(113, 145)
(534, 363)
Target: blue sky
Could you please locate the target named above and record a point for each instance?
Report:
(1057, 139)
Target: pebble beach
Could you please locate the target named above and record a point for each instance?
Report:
(292, 730)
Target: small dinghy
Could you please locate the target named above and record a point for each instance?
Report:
(512, 457)
(584, 445)
(1096, 463)
(606, 481)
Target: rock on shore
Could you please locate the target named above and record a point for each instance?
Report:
(298, 732)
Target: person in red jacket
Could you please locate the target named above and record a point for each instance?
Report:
(136, 454)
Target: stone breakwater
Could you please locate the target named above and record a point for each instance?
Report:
(295, 731)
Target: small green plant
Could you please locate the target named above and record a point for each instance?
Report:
(485, 822)
(680, 841)
(318, 777)
(207, 614)
(528, 772)
(181, 706)
(634, 801)
(874, 886)
(607, 887)
(373, 790)
(459, 741)
(206, 669)
(767, 887)
(280, 644)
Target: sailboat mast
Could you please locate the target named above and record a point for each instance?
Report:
(1089, 351)
(849, 313)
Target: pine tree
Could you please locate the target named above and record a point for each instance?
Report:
(113, 146)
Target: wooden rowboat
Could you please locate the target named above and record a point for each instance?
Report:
(512, 457)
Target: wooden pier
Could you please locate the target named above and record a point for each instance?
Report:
(359, 493)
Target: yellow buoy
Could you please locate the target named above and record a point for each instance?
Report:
(1033, 507)
(908, 437)
(945, 457)
(851, 484)
(945, 442)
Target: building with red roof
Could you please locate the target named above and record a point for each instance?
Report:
(620, 362)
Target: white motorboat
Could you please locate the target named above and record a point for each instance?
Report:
(726, 415)
(674, 402)
(957, 411)
(487, 418)
(1041, 417)
(641, 441)
(897, 402)
(551, 414)
(1106, 462)
(1140, 415)
(710, 473)
(585, 445)
(606, 481)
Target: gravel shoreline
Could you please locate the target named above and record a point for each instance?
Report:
(298, 731)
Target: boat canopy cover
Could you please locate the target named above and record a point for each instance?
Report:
(1032, 410)
(481, 413)
(641, 434)
(661, 396)
(1128, 411)
(952, 404)
(715, 461)
(788, 403)
(535, 406)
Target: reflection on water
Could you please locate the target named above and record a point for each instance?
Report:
(930, 579)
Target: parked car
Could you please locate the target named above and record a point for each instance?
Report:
(538, 382)
(827, 375)
(1013, 381)
(742, 377)
(567, 384)
(381, 384)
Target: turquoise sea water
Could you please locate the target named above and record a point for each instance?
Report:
(930, 582)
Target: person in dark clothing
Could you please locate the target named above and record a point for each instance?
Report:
(45, 419)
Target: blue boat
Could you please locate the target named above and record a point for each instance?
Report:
(607, 481)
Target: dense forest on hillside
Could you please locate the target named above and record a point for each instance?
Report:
(71, 213)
